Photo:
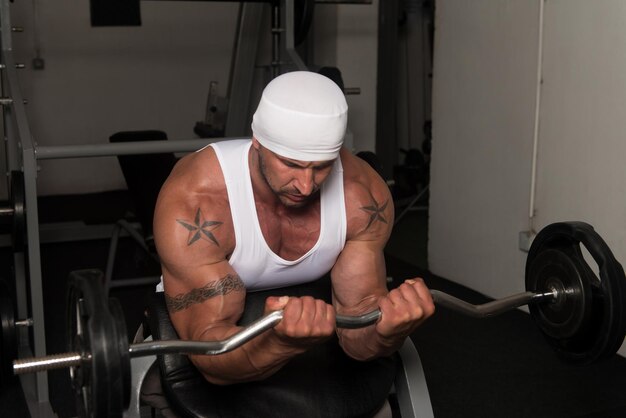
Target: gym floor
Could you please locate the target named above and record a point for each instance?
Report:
(498, 367)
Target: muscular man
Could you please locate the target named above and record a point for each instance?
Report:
(287, 207)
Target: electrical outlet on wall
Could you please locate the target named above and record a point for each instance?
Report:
(38, 63)
(525, 240)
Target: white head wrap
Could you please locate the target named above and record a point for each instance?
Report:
(302, 116)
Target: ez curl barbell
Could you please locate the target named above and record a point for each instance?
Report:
(581, 314)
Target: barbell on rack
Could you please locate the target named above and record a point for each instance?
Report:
(583, 316)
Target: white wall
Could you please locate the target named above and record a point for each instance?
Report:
(582, 131)
(483, 109)
(357, 54)
(98, 81)
(484, 101)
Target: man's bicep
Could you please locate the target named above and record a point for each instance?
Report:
(193, 237)
(202, 291)
(198, 295)
(358, 278)
(204, 303)
(359, 275)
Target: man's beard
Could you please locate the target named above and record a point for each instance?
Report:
(288, 196)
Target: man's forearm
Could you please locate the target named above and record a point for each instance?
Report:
(255, 360)
(366, 344)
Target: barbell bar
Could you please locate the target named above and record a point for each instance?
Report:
(492, 308)
(258, 327)
(209, 348)
(553, 251)
(582, 315)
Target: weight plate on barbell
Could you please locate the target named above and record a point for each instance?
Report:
(552, 270)
(8, 336)
(601, 335)
(99, 381)
(119, 321)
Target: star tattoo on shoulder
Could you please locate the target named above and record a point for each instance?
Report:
(375, 212)
(200, 228)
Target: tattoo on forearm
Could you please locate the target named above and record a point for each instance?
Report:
(223, 286)
(375, 212)
(200, 228)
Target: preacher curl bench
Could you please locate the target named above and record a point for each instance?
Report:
(323, 382)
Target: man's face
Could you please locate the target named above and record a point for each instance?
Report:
(294, 182)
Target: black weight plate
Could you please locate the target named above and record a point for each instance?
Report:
(117, 315)
(555, 271)
(606, 328)
(97, 382)
(18, 202)
(609, 296)
(8, 337)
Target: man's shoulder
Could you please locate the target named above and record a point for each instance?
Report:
(367, 196)
(360, 180)
(196, 178)
(199, 169)
(193, 207)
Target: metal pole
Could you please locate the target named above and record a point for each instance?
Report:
(242, 69)
(34, 264)
(122, 148)
(289, 25)
(276, 40)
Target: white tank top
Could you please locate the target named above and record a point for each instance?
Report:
(253, 260)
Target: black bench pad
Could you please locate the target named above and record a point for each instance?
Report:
(321, 383)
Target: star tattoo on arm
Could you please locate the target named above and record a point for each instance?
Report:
(375, 212)
(200, 228)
